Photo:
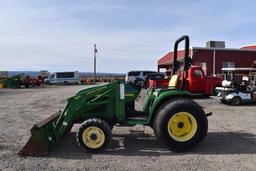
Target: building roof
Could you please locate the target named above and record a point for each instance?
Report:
(251, 47)
(167, 58)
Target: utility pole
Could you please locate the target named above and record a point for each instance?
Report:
(94, 56)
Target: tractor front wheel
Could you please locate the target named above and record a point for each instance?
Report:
(94, 135)
(180, 124)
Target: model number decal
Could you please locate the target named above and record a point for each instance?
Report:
(121, 91)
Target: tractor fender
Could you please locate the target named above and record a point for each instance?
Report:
(163, 97)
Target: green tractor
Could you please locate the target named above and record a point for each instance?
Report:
(177, 121)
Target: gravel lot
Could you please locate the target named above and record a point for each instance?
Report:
(229, 145)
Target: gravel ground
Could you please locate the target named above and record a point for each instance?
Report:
(229, 145)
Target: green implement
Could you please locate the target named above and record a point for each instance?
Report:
(178, 121)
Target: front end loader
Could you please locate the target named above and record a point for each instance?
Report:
(177, 121)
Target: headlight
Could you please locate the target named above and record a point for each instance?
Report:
(155, 93)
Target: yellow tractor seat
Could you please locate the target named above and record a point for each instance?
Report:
(173, 81)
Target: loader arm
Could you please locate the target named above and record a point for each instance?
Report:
(103, 101)
(83, 102)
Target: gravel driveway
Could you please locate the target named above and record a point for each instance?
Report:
(229, 145)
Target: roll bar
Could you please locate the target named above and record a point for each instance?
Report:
(186, 59)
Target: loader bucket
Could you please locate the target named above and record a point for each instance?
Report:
(42, 137)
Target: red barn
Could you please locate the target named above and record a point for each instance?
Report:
(213, 57)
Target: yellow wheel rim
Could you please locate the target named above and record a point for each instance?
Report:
(182, 126)
(93, 137)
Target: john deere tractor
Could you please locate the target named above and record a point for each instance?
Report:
(177, 121)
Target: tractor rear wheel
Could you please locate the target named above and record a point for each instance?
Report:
(180, 124)
(94, 135)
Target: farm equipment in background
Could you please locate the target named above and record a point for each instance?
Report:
(12, 82)
(3, 75)
(2, 84)
(28, 81)
(238, 88)
(43, 75)
(20, 80)
(177, 121)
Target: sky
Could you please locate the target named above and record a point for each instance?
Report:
(58, 35)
